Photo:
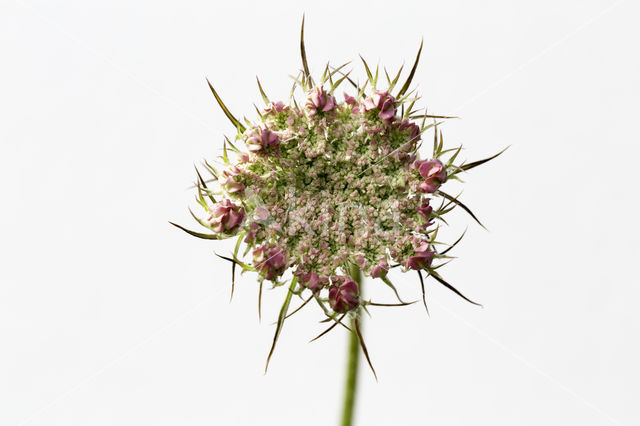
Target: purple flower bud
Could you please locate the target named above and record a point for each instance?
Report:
(384, 102)
(311, 281)
(319, 101)
(344, 298)
(243, 158)
(425, 209)
(251, 233)
(261, 213)
(350, 100)
(275, 107)
(413, 127)
(225, 216)
(380, 270)
(261, 138)
(269, 260)
(228, 181)
(422, 258)
(434, 174)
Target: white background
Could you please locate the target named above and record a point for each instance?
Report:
(109, 316)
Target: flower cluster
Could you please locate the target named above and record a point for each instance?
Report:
(329, 185)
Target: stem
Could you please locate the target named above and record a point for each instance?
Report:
(353, 356)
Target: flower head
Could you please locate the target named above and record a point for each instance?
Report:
(321, 187)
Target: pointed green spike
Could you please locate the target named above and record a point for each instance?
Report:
(409, 110)
(233, 265)
(211, 169)
(407, 83)
(388, 282)
(293, 89)
(375, 77)
(452, 288)
(433, 268)
(453, 157)
(370, 303)
(197, 234)
(395, 80)
(226, 111)
(424, 297)
(368, 71)
(479, 162)
(303, 53)
(260, 301)
(459, 203)
(362, 89)
(200, 221)
(454, 244)
(348, 79)
(264, 95)
(301, 306)
(325, 74)
(298, 81)
(386, 74)
(435, 141)
(337, 83)
(434, 116)
(356, 325)
(225, 157)
(204, 185)
(335, 70)
(336, 322)
(281, 317)
(244, 266)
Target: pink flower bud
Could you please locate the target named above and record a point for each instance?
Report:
(312, 281)
(384, 102)
(380, 270)
(422, 258)
(225, 216)
(319, 101)
(434, 174)
(261, 138)
(269, 260)
(350, 100)
(228, 180)
(412, 127)
(344, 298)
(243, 158)
(275, 107)
(425, 209)
(261, 213)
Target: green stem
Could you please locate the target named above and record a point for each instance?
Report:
(353, 356)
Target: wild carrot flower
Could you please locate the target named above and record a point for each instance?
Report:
(315, 187)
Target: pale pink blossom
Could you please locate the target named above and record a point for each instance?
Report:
(225, 216)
